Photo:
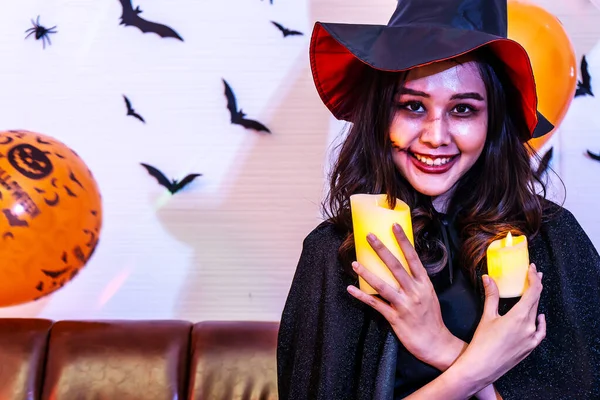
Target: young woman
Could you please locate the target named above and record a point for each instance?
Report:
(441, 105)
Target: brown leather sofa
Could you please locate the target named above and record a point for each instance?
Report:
(127, 360)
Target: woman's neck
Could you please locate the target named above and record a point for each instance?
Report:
(441, 202)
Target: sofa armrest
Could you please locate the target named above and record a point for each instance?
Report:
(23, 344)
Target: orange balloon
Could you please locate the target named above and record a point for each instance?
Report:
(50, 219)
(552, 58)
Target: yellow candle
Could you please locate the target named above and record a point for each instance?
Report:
(508, 262)
(372, 214)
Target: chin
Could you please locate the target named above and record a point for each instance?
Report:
(431, 185)
(430, 191)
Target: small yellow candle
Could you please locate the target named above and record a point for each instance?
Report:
(372, 214)
(508, 262)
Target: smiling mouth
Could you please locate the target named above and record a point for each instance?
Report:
(433, 161)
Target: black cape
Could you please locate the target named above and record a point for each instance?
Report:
(332, 346)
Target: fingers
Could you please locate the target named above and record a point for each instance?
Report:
(391, 261)
(531, 297)
(534, 307)
(540, 332)
(383, 288)
(490, 306)
(412, 258)
(381, 306)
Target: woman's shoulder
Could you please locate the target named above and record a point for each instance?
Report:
(319, 264)
(557, 217)
(326, 234)
(561, 230)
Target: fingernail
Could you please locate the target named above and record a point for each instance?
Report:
(355, 265)
(371, 237)
(540, 274)
(486, 280)
(397, 227)
(533, 266)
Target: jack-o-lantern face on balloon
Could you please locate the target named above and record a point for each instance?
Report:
(30, 161)
(50, 215)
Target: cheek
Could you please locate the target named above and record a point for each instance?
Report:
(403, 131)
(470, 137)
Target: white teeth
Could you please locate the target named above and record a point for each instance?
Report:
(431, 162)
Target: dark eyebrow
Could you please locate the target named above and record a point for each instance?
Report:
(458, 96)
(405, 90)
(469, 95)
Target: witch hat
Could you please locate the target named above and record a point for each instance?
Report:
(419, 32)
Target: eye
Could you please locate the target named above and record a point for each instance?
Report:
(412, 106)
(464, 109)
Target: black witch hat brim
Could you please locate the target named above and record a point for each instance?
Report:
(339, 53)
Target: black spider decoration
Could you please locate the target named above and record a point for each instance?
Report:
(40, 31)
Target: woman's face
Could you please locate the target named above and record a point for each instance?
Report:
(440, 125)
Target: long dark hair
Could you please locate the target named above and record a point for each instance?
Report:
(496, 195)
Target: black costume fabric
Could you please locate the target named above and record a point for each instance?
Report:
(460, 307)
(332, 346)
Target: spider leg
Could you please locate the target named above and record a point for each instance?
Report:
(38, 20)
(47, 37)
(30, 33)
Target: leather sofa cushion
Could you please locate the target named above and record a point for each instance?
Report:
(125, 360)
(233, 360)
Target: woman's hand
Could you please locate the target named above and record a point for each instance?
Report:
(414, 310)
(501, 342)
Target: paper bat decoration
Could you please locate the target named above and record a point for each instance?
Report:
(131, 111)
(593, 156)
(584, 85)
(172, 186)
(544, 164)
(286, 32)
(238, 117)
(131, 17)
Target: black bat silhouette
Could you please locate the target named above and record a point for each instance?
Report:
(286, 32)
(544, 164)
(41, 141)
(237, 117)
(131, 111)
(55, 274)
(593, 156)
(12, 219)
(131, 17)
(584, 85)
(172, 186)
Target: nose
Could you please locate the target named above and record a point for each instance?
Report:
(435, 132)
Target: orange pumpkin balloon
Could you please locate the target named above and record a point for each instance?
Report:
(50, 215)
(552, 58)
